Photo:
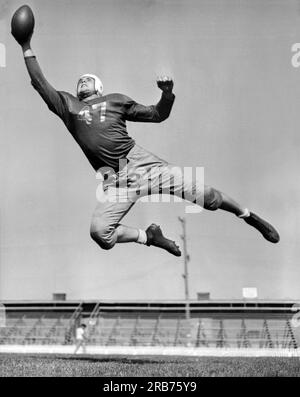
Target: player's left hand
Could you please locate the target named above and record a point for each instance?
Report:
(165, 83)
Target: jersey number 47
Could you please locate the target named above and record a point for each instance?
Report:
(96, 112)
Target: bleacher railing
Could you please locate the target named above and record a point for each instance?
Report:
(140, 326)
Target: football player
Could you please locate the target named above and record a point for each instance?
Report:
(98, 124)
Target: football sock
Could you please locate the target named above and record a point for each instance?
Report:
(245, 214)
(142, 237)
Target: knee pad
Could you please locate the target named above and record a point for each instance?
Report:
(103, 236)
(212, 199)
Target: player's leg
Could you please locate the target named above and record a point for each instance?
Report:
(84, 347)
(115, 199)
(115, 202)
(229, 205)
(78, 344)
(174, 181)
(214, 199)
(147, 184)
(127, 234)
(106, 229)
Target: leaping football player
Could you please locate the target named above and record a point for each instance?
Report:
(98, 124)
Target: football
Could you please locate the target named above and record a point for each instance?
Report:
(22, 24)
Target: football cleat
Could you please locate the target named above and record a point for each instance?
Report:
(157, 239)
(267, 230)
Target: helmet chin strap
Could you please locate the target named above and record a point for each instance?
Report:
(84, 95)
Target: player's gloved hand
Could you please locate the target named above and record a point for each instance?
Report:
(166, 84)
(26, 45)
(22, 25)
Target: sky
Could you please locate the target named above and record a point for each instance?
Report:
(236, 114)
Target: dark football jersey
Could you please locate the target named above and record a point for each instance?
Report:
(98, 125)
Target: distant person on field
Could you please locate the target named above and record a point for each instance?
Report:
(81, 338)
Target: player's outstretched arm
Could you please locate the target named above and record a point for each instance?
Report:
(155, 113)
(22, 26)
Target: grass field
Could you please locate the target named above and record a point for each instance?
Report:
(100, 366)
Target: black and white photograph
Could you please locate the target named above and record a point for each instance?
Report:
(149, 191)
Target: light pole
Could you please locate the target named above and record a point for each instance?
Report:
(185, 275)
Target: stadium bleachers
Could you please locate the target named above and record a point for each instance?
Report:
(161, 325)
(39, 326)
(34, 330)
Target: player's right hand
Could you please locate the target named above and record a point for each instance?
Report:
(22, 25)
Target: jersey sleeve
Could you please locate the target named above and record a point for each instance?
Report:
(54, 99)
(152, 114)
